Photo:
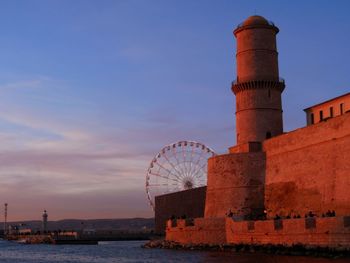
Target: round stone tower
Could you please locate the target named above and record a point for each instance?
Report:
(258, 87)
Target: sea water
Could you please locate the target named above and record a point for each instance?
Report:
(131, 251)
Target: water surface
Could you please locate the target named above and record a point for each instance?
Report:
(131, 251)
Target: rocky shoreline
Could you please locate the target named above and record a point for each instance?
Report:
(295, 250)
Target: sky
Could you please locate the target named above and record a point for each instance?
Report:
(90, 91)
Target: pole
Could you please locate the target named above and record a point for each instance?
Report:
(5, 221)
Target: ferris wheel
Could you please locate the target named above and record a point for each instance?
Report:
(178, 166)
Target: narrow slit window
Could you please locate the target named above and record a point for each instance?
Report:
(331, 112)
(312, 118)
(321, 115)
(341, 108)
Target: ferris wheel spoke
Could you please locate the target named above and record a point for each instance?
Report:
(199, 158)
(191, 156)
(177, 160)
(162, 176)
(172, 165)
(169, 172)
(200, 168)
(161, 184)
(192, 164)
(202, 157)
(188, 162)
(184, 156)
(179, 163)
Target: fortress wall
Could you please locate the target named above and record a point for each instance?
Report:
(236, 182)
(204, 231)
(326, 232)
(188, 202)
(309, 169)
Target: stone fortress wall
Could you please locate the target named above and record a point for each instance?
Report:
(309, 169)
(331, 232)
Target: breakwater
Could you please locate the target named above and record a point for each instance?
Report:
(293, 250)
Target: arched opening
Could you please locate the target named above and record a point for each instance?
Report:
(268, 135)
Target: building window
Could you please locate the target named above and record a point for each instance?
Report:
(331, 112)
(341, 108)
(321, 115)
(312, 118)
(268, 135)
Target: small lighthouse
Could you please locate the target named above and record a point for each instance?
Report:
(45, 216)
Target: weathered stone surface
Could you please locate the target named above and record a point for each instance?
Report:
(236, 182)
(204, 231)
(328, 232)
(308, 170)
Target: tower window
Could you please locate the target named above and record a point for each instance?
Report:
(341, 108)
(321, 115)
(331, 111)
(312, 118)
(268, 135)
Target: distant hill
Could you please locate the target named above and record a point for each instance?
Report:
(130, 224)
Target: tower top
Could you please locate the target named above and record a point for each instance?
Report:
(255, 22)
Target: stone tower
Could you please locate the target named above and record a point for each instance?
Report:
(236, 181)
(258, 87)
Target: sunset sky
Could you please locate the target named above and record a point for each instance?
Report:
(90, 91)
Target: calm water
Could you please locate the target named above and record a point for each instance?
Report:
(130, 251)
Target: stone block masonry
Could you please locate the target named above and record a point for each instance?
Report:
(236, 182)
(203, 231)
(330, 232)
(308, 169)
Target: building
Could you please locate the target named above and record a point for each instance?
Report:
(328, 109)
(270, 180)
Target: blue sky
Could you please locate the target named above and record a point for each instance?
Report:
(91, 90)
